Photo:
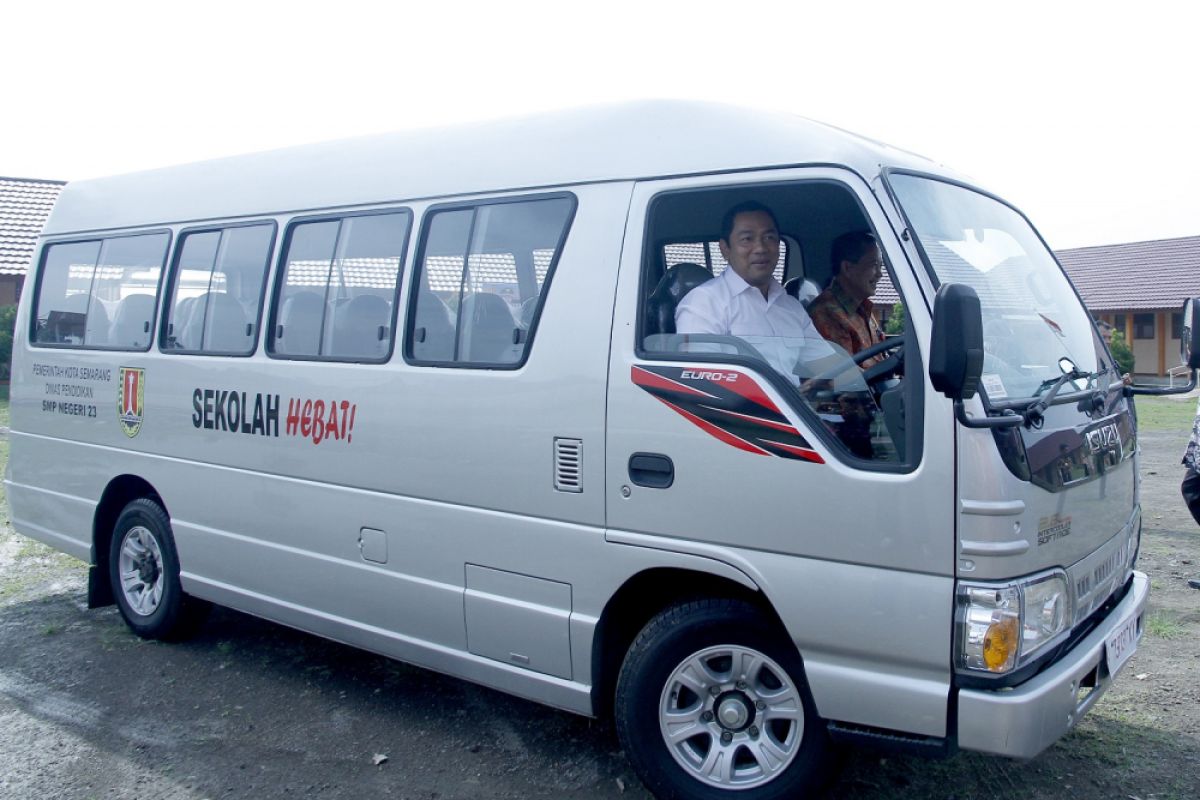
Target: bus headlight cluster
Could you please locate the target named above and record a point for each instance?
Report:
(999, 627)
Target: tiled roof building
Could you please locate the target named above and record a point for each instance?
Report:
(1151, 276)
(24, 206)
(1138, 288)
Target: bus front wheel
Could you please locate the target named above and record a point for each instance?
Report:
(711, 703)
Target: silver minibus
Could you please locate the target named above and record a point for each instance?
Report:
(424, 393)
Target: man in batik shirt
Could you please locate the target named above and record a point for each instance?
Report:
(1191, 481)
(843, 312)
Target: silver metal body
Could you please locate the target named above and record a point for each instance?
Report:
(436, 534)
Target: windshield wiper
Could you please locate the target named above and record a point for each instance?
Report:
(1034, 412)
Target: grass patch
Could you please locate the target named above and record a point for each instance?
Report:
(1164, 625)
(1165, 414)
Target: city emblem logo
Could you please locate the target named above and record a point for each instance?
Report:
(131, 400)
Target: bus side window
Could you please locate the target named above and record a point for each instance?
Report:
(100, 293)
(217, 288)
(481, 279)
(337, 291)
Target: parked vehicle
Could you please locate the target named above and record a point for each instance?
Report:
(422, 393)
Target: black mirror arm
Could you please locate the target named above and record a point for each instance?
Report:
(1130, 391)
(1009, 419)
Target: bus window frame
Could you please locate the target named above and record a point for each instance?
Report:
(177, 253)
(285, 244)
(418, 263)
(100, 237)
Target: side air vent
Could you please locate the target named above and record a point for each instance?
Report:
(568, 465)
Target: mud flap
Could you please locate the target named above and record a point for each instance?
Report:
(99, 592)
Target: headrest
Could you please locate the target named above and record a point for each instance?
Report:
(677, 282)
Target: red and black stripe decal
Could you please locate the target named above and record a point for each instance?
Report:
(728, 405)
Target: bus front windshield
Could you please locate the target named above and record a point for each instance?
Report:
(1034, 327)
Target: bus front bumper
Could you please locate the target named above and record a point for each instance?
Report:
(1023, 721)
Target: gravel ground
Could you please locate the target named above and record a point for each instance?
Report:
(249, 709)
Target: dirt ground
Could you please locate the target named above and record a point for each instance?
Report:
(252, 710)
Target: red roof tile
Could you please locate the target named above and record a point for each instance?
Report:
(24, 206)
(1138, 276)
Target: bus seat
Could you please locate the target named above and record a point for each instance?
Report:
(177, 325)
(433, 328)
(74, 322)
(802, 289)
(131, 322)
(677, 282)
(226, 330)
(300, 319)
(357, 326)
(491, 327)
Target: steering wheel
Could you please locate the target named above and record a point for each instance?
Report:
(888, 366)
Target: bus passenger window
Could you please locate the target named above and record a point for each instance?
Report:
(482, 275)
(100, 293)
(337, 293)
(217, 290)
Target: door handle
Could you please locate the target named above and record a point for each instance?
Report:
(652, 470)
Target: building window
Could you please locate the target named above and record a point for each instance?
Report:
(1119, 323)
(1143, 326)
(1176, 325)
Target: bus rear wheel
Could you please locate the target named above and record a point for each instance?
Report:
(711, 704)
(144, 572)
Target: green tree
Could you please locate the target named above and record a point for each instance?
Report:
(896, 322)
(1121, 352)
(8, 318)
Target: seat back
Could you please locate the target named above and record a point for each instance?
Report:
(227, 330)
(357, 328)
(675, 283)
(802, 289)
(492, 329)
(131, 322)
(299, 327)
(433, 328)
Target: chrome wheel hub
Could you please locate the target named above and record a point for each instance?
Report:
(731, 717)
(140, 568)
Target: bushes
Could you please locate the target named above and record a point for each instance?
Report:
(1121, 353)
(8, 318)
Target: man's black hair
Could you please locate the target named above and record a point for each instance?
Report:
(748, 207)
(850, 247)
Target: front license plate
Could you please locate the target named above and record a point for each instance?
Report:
(1120, 644)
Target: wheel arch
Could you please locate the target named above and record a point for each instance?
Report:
(119, 492)
(638, 600)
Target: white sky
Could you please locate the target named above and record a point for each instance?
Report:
(1082, 114)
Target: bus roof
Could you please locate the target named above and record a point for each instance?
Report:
(626, 141)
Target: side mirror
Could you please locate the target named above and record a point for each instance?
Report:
(1189, 351)
(1189, 337)
(956, 350)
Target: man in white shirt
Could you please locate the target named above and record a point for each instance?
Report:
(745, 300)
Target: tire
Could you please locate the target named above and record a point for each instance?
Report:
(143, 567)
(728, 688)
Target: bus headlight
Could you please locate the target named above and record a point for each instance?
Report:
(988, 622)
(1045, 612)
(1002, 626)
